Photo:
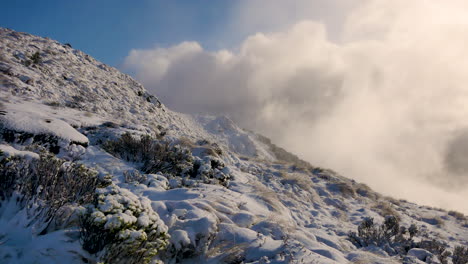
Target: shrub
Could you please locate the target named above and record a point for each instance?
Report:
(390, 236)
(437, 248)
(133, 176)
(36, 58)
(48, 183)
(395, 240)
(154, 156)
(209, 170)
(460, 255)
(122, 228)
(174, 160)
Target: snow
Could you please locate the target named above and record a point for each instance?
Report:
(19, 245)
(419, 253)
(9, 151)
(270, 212)
(25, 118)
(180, 239)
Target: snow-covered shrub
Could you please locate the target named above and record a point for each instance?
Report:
(209, 170)
(50, 142)
(208, 148)
(47, 141)
(437, 248)
(46, 184)
(122, 228)
(192, 238)
(174, 160)
(395, 240)
(460, 255)
(133, 176)
(153, 155)
(73, 152)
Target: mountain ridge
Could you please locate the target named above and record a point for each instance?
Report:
(231, 196)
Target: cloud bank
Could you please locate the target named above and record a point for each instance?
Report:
(387, 104)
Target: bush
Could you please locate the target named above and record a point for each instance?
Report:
(460, 255)
(389, 233)
(174, 160)
(122, 228)
(395, 240)
(437, 248)
(48, 183)
(36, 58)
(134, 176)
(154, 156)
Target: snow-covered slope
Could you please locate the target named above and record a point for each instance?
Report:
(266, 207)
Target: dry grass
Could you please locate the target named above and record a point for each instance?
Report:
(440, 222)
(228, 252)
(267, 195)
(300, 180)
(459, 216)
(385, 209)
(186, 142)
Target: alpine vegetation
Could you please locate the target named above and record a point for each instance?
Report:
(95, 169)
(173, 159)
(122, 228)
(42, 185)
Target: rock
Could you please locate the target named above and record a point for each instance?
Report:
(419, 253)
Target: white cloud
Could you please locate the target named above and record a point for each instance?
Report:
(387, 105)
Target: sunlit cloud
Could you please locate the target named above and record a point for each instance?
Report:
(385, 104)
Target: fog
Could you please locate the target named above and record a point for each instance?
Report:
(376, 91)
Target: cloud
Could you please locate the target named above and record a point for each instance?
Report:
(386, 105)
(252, 16)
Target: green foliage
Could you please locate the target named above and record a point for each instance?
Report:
(36, 58)
(122, 228)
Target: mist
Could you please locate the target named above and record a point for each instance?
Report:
(378, 93)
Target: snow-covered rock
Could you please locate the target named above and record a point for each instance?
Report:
(419, 253)
(9, 151)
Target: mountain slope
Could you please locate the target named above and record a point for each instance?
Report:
(214, 192)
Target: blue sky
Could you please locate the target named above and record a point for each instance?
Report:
(109, 29)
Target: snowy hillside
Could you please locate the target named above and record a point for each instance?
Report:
(95, 169)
